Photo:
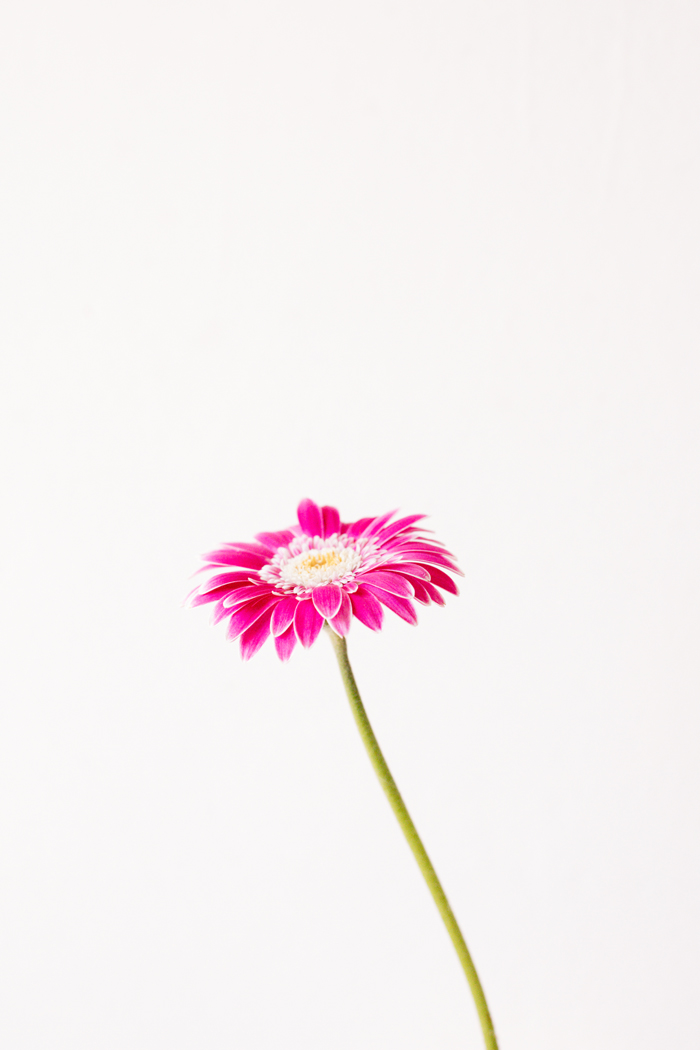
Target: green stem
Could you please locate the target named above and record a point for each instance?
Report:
(412, 837)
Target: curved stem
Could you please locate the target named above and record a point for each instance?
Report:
(412, 837)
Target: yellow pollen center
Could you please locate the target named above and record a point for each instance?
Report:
(316, 567)
(320, 560)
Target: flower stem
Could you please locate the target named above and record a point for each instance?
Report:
(412, 837)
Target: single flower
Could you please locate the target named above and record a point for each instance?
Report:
(322, 570)
(288, 583)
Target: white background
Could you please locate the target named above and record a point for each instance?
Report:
(435, 256)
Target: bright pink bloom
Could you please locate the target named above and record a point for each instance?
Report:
(287, 583)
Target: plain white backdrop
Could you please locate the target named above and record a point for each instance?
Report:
(435, 256)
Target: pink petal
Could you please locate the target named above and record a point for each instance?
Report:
(427, 541)
(273, 540)
(307, 623)
(246, 616)
(255, 636)
(220, 613)
(367, 609)
(218, 593)
(247, 593)
(401, 606)
(250, 548)
(410, 569)
(327, 599)
(389, 581)
(443, 580)
(379, 522)
(284, 643)
(421, 594)
(283, 615)
(225, 577)
(401, 544)
(310, 518)
(398, 526)
(341, 622)
(331, 521)
(422, 555)
(244, 559)
(358, 527)
(434, 593)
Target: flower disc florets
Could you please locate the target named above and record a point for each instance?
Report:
(310, 562)
(288, 583)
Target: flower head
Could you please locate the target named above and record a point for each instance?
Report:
(288, 583)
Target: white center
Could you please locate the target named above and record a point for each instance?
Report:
(315, 567)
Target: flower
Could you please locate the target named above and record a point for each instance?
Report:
(288, 583)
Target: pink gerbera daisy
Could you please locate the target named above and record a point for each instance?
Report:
(288, 583)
